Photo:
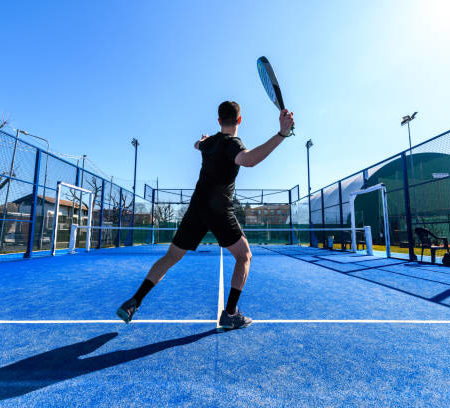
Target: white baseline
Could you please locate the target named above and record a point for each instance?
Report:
(200, 321)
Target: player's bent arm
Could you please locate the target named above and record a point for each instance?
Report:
(250, 158)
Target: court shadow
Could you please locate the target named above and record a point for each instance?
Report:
(64, 363)
(409, 284)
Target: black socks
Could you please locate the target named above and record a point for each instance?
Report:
(233, 298)
(146, 287)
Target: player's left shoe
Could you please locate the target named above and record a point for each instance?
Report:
(235, 321)
(127, 310)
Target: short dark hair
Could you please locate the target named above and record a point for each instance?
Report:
(229, 113)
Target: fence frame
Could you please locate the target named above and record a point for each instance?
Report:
(79, 174)
(36, 180)
(365, 172)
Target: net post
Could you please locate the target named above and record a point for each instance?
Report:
(368, 239)
(55, 218)
(353, 196)
(56, 214)
(73, 238)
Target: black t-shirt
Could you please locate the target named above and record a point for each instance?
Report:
(219, 171)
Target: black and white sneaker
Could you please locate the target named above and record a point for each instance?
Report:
(234, 321)
(127, 310)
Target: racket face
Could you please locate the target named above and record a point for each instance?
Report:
(269, 81)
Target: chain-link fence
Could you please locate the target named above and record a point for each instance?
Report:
(254, 208)
(418, 195)
(28, 180)
(417, 182)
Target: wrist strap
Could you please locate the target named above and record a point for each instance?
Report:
(281, 134)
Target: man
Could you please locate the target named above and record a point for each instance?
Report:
(211, 208)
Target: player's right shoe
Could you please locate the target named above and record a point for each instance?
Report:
(127, 310)
(234, 321)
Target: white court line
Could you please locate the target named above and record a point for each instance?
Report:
(355, 321)
(220, 302)
(101, 321)
(273, 321)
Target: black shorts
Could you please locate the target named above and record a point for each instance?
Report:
(198, 220)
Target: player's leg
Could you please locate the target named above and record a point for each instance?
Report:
(229, 234)
(155, 274)
(242, 254)
(189, 234)
(158, 270)
(163, 264)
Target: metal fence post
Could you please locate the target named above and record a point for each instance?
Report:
(323, 216)
(101, 215)
(77, 177)
(131, 235)
(290, 218)
(309, 217)
(412, 255)
(153, 216)
(341, 215)
(77, 183)
(120, 217)
(34, 204)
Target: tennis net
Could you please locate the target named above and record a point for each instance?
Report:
(342, 239)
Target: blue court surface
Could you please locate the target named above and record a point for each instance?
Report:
(331, 330)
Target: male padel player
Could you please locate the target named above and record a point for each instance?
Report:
(211, 208)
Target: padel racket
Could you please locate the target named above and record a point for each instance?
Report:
(270, 83)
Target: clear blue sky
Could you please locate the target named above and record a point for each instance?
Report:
(90, 75)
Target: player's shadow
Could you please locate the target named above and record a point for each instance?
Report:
(64, 363)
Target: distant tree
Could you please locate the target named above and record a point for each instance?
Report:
(164, 213)
(141, 208)
(93, 184)
(182, 210)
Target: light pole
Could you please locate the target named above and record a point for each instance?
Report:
(135, 144)
(309, 144)
(44, 198)
(405, 121)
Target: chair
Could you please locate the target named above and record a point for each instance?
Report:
(425, 239)
(348, 240)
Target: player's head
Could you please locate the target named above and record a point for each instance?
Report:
(229, 114)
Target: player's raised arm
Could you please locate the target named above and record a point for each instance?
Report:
(250, 158)
(197, 143)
